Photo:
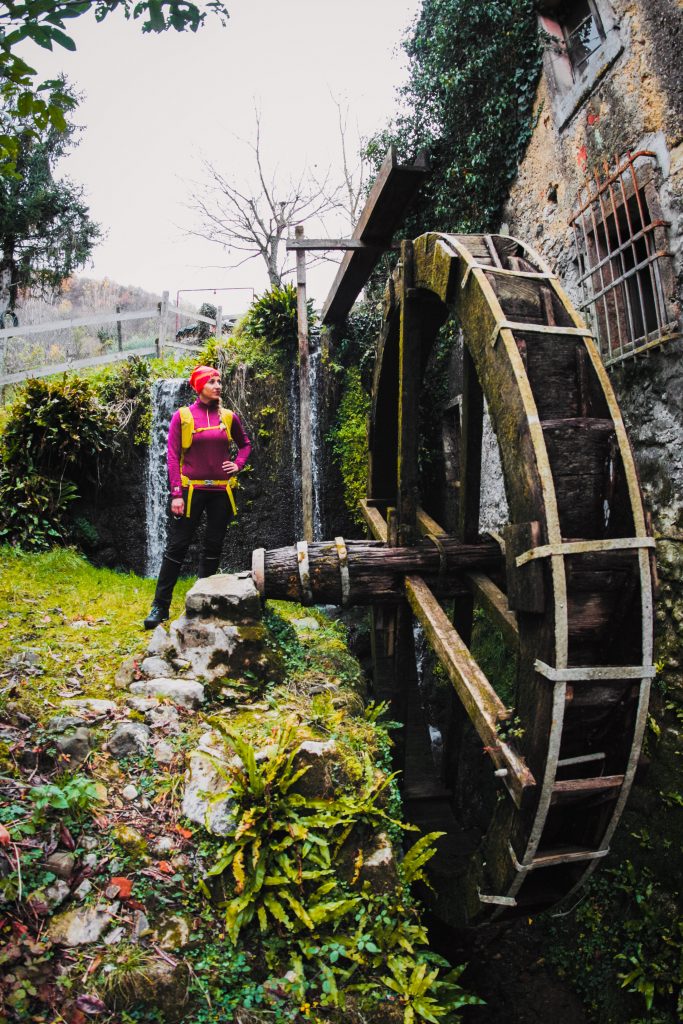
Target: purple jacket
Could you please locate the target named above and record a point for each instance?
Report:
(210, 448)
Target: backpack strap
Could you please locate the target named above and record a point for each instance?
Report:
(226, 420)
(186, 427)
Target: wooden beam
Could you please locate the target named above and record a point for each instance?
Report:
(377, 524)
(77, 364)
(305, 433)
(78, 321)
(341, 244)
(480, 701)
(485, 591)
(394, 189)
(408, 401)
(495, 604)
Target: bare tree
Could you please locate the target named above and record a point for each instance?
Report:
(256, 222)
(354, 166)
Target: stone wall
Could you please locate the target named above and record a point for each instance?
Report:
(631, 100)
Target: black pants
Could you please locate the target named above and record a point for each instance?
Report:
(181, 531)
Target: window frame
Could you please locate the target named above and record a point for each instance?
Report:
(620, 288)
(570, 85)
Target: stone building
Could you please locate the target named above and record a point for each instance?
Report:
(600, 195)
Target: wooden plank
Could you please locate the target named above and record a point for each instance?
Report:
(183, 347)
(190, 313)
(482, 704)
(163, 323)
(495, 604)
(394, 189)
(306, 443)
(408, 401)
(377, 524)
(525, 584)
(77, 364)
(555, 858)
(586, 787)
(483, 589)
(340, 244)
(78, 321)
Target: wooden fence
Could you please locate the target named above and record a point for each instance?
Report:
(162, 311)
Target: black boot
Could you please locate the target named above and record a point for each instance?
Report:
(208, 566)
(157, 615)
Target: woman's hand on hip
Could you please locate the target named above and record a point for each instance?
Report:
(177, 506)
(230, 467)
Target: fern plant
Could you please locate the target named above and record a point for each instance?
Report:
(280, 854)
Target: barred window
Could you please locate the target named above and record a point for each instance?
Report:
(583, 32)
(625, 268)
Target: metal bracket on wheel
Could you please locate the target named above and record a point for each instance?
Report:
(343, 555)
(304, 571)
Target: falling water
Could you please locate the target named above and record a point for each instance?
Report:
(167, 396)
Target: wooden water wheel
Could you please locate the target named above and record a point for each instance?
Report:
(528, 796)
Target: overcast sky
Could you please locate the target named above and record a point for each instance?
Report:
(153, 105)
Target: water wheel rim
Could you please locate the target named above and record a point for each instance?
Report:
(447, 269)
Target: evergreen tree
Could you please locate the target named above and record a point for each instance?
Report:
(46, 233)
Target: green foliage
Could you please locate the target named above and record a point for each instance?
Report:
(473, 69)
(76, 796)
(422, 992)
(125, 390)
(273, 318)
(349, 440)
(81, 619)
(331, 939)
(356, 346)
(628, 925)
(33, 509)
(46, 22)
(58, 428)
(45, 229)
(127, 975)
(279, 844)
(494, 657)
(57, 438)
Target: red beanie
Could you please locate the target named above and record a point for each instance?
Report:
(200, 377)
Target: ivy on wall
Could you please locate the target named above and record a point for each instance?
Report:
(473, 70)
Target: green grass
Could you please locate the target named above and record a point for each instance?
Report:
(81, 621)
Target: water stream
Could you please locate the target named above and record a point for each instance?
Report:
(167, 396)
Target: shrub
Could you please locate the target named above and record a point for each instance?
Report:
(349, 440)
(273, 317)
(33, 509)
(58, 428)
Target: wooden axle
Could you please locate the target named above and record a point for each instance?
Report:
(364, 572)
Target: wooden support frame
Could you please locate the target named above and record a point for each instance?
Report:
(481, 702)
(482, 588)
(394, 189)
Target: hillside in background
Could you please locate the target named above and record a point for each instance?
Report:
(80, 296)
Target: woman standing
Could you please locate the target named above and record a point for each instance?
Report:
(201, 473)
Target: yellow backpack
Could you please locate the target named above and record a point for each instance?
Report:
(188, 430)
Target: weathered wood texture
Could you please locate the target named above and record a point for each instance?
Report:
(393, 191)
(569, 474)
(376, 571)
(305, 438)
(482, 704)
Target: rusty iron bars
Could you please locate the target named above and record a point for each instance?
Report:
(622, 252)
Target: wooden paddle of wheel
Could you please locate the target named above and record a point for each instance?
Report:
(528, 811)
